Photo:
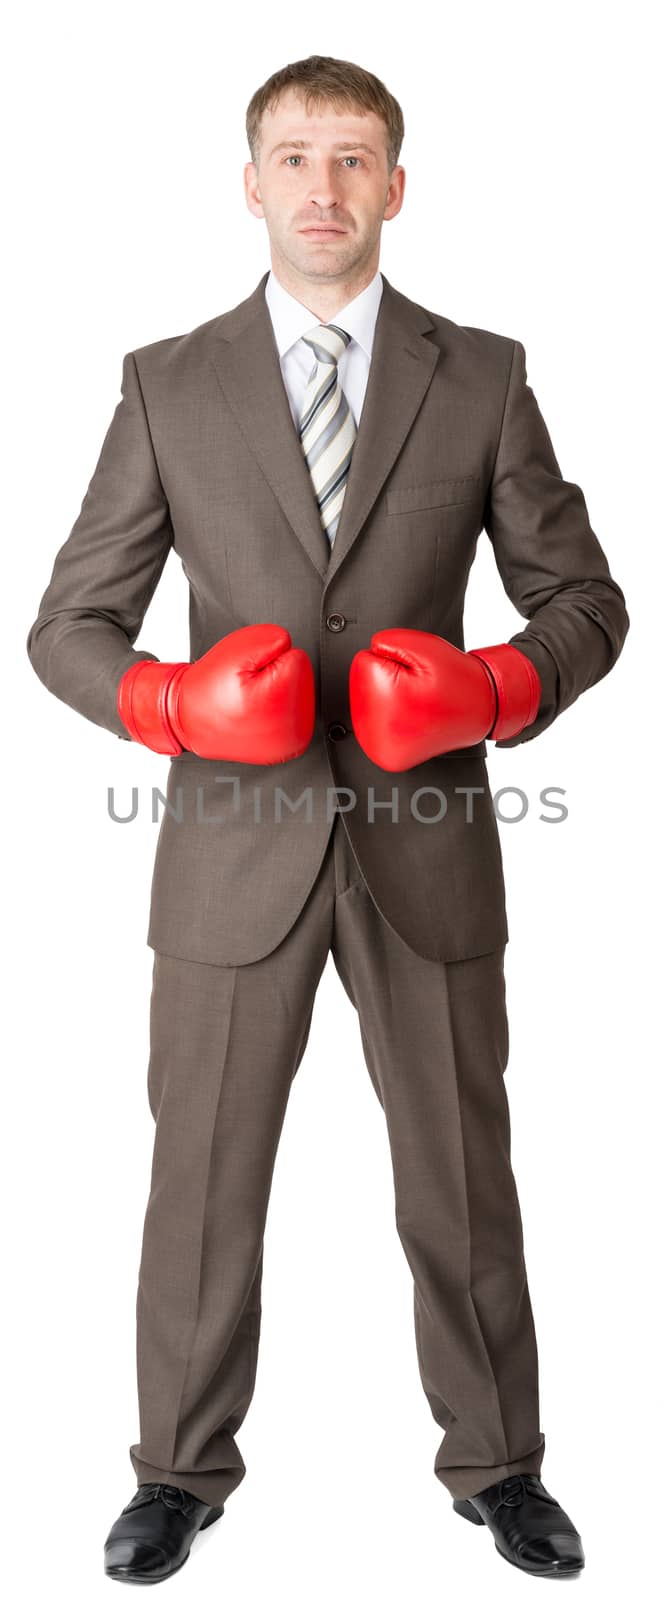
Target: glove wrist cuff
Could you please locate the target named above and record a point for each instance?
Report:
(171, 703)
(518, 688)
(142, 705)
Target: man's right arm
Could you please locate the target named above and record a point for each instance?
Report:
(105, 574)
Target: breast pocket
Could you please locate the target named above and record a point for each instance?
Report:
(431, 496)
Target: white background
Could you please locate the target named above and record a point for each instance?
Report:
(534, 173)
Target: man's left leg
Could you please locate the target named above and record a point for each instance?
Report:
(436, 1044)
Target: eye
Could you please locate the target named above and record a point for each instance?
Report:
(345, 158)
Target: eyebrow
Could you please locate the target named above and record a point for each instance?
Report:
(302, 144)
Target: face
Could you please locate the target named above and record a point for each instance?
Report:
(323, 187)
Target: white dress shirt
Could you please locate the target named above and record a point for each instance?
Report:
(291, 319)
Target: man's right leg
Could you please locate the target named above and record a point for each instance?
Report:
(225, 1043)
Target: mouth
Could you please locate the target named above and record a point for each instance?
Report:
(322, 233)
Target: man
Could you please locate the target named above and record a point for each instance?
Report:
(322, 458)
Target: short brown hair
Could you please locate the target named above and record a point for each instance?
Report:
(325, 80)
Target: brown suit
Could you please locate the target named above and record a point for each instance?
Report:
(202, 454)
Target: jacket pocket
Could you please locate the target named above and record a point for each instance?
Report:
(438, 492)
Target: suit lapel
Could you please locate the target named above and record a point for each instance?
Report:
(245, 358)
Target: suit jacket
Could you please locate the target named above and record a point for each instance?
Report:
(202, 455)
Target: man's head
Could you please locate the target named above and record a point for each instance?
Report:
(324, 138)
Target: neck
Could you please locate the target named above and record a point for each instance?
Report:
(325, 300)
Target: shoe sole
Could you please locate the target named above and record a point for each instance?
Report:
(159, 1577)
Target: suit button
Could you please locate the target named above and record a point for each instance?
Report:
(337, 730)
(335, 622)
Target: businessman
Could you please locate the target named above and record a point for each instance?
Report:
(322, 459)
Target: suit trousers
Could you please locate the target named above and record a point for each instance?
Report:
(225, 1044)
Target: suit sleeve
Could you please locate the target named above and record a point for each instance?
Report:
(550, 561)
(106, 572)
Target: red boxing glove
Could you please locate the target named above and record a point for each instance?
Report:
(413, 696)
(250, 698)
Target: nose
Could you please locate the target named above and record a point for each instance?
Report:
(323, 188)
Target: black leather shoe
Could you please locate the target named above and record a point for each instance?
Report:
(529, 1527)
(152, 1536)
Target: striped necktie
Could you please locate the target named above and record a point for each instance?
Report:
(327, 429)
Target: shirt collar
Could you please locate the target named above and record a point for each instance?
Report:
(291, 319)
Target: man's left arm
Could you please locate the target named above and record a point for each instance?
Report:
(550, 561)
